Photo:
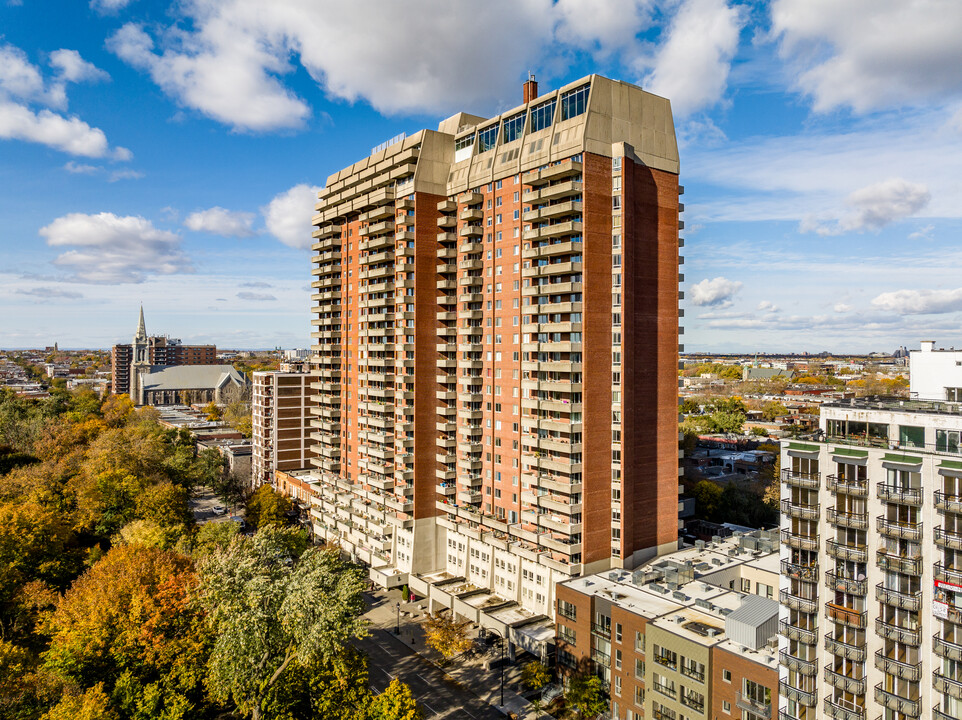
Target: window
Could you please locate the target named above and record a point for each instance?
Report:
(513, 127)
(464, 142)
(567, 634)
(542, 116)
(953, 394)
(910, 436)
(947, 441)
(757, 694)
(727, 706)
(487, 138)
(574, 102)
(727, 675)
(567, 610)
(639, 668)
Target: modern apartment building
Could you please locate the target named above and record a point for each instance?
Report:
(691, 636)
(496, 344)
(280, 424)
(871, 585)
(162, 351)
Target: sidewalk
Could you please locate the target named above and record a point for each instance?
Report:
(468, 670)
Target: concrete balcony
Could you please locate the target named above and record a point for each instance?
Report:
(856, 521)
(898, 668)
(912, 707)
(845, 650)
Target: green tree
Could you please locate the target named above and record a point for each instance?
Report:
(395, 703)
(535, 675)
(773, 409)
(586, 696)
(708, 497)
(214, 536)
(270, 608)
(724, 421)
(446, 635)
(689, 406)
(267, 507)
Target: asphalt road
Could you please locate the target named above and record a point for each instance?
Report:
(439, 696)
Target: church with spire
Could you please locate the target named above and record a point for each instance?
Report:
(161, 370)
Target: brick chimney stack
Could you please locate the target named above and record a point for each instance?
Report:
(530, 88)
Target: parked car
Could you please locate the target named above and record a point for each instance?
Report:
(218, 510)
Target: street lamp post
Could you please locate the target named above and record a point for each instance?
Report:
(501, 643)
(397, 627)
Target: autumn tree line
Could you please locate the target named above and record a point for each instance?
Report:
(116, 605)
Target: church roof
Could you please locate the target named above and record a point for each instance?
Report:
(191, 377)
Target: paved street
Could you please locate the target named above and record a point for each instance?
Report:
(202, 502)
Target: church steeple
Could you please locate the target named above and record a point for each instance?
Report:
(141, 328)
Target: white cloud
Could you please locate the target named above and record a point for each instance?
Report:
(125, 175)
(843, 308)
(108, 248)
(768, 306)
(920, 302)
(220, 221)
(22, 84)
(602, 26)
(73, 68)
(81, 169)
(924, 233)
(871, 54)
(47, 293)
(109, 6)
(691, 67)
(874, 207)
(257, 297)
(717, 292)
(288, 216)
(256, 284)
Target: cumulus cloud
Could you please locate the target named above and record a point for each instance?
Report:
(717, 292)
(256, 284)
(73, 68)
(109, 6)
(22, 85)
(768, 306)
(602, 26)
(920, 302)
(48, 292)
(874, 207)
(107, 248)
(867, 54)
(691, 67)
(220, 221)
(258, 297)
(843, 308)
(288, 216)
(75, 168)
(125, 175)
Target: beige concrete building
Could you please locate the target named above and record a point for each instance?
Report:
(280, 424)
(496, 344)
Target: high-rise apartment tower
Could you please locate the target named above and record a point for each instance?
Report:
(496, 326)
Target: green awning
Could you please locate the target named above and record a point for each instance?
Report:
(951, 464)
(903, 459)
(803, 448)
(850, 452)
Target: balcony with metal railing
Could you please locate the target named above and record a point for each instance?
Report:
(897, 598)
(790, 598)
(808, 573)
(856, 521)
(946, 649)
(948, 503)
(946, 574)
(899, 530)
(802, 697)
(753, 705)
(911, 707)
(858, 488)
(898, 633)
(800, 510)
(899, 668)
(946, 685)
(840, 710)
(947, 539)
(899, 494)
(799, 633)
(843, 682)
(846, 616)
(796, 664)
(840, 583)
(810, 481)
(800, 542)
(842, 550)
(845, 650)
(905, 564)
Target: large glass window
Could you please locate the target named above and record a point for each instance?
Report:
(487, 138)
(513, 127)
(947, 440)
(574, 102)
(464, 142)
(911, 436)
(542, 116)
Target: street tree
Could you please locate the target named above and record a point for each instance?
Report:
(267, 507)
(447, 635)
(273, 606)
(535, 675)
(586, 696)
(395, 703)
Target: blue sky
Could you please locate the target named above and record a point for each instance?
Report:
(168, 153)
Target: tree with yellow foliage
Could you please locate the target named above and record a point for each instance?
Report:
(446, 635)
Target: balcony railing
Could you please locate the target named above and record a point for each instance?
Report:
(666, 662)
(753, 705)
(667, 690)
(842, 649)
(946, 649)
(898, 668)
(843, 711)
(845, 616)
(948, 539)
(602, 630)
(802, 697)
(903, 531)
(601, 658)
(802, 667)
(898, 494)
(800, 542)
(949, 575)
(811, 481)
(856, 521)
(841, 551)
(794, 632)
(796, 602)
(859, 488)
(900, 564)
(948, 503)
(845, 683)
(908, 706)
(693, 673)
(798, 510)
(896, 598)
(808, 573)
(906, 636)
(947, 686)
(847, 585)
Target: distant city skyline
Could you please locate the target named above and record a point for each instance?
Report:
(170, 155)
